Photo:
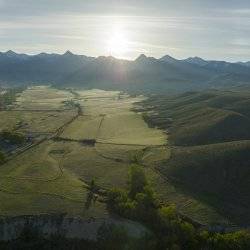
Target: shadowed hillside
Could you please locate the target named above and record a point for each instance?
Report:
(217, 173)
(209, 133)
(201, 118)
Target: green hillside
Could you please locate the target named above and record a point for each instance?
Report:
(217, 173)
(209, 133)
(201, 118)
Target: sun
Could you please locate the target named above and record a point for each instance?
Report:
(118, 44)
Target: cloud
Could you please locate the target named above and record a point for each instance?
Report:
(245, 11)
(181, 27)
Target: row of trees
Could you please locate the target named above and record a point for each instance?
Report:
(9, 97)
(12, 137)
(2, 157)
(139, 202)
(110, 237)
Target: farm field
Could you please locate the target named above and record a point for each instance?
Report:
(43, 98)
(97, 139)
(85, 127)
(34, 121)
(53, 174)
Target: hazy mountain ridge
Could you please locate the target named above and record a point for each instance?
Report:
(166, 73)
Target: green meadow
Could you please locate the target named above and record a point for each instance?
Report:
(53, 174)
(77, 137)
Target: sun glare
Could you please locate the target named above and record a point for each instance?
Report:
(118, 44)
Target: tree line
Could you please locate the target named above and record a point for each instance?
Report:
(139, 202)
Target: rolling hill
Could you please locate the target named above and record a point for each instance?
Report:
(198, 118)
(210, 138)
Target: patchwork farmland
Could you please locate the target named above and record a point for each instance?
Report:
(75, 137)
(51, 172)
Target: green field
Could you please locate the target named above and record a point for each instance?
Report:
(85, 127)
(54, 173)
(42, 98)
(32, 122)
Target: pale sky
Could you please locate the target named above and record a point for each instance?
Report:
(212, 29)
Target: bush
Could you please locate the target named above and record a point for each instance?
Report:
(137, 180)
(229, 241)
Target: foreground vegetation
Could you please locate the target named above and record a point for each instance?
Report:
(110, 237)
(115, 238)
(168, 230)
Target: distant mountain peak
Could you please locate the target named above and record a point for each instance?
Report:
(68, 53)
(168, 58)
(11, 53)
(145, 59)
(196, 60)
(141, 57)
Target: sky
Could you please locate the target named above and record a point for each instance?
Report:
(211, 29)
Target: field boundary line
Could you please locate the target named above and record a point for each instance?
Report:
(130, 144)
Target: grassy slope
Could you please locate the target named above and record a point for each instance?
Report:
(210, 158)
(202, 118)
(218, 173)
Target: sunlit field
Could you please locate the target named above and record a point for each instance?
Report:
(57, 168)
(72, 145)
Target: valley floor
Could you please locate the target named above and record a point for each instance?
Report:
(77, 137)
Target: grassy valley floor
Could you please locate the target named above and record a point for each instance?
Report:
(80, 136)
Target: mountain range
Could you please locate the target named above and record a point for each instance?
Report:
(143, 74)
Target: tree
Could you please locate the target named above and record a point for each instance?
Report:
(137, 180)
(2, 157)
